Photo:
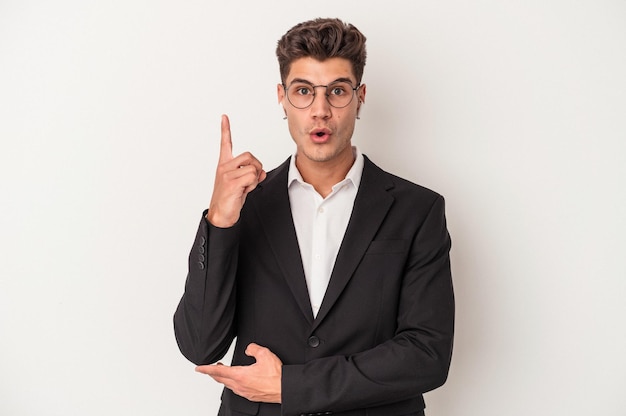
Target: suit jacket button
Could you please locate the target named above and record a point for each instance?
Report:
(314, 342)
(201, 265)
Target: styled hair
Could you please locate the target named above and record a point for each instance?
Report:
(322, 39)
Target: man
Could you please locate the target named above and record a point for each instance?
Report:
(333, 275)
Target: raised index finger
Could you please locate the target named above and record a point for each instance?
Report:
(226, 144)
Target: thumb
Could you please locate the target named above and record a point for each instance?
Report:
(254, 350)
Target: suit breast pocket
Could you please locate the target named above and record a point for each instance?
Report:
(388, 247)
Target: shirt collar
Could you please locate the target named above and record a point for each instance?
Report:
(354, 174)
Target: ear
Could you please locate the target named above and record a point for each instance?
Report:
(361, 97)
(280, 93)
(361, 94)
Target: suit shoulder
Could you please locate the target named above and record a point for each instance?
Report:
(401, 186)
(276, 177)
(281, 169)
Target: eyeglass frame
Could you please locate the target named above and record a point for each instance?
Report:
(354, 89)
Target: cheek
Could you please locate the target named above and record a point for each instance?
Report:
(349, 114)
(295, 127)
(346, 121)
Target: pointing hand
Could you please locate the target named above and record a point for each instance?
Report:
(234, 179)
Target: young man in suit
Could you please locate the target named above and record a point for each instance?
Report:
(333, 275)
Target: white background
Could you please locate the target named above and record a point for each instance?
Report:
(109, 124)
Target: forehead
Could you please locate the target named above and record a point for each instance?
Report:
(320, 72)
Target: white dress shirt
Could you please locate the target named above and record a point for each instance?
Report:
(321, 224)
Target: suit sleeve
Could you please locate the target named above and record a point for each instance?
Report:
(204, 322)
(414, 361)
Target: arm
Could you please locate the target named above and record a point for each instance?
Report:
(414, 361)
(204, 321)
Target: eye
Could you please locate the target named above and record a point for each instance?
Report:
(303, 90)
(338, 90)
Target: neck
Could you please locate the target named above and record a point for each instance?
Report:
(324, 175)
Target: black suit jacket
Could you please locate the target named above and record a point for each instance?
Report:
(383, 334)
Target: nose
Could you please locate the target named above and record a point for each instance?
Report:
(320, 107)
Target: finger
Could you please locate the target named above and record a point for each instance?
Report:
(247, 175)
(218, 370)
(242, 178)
(252, 349)
(202, 369)
(246, 159)
(207, 368)
(255, 350)
(226, 143)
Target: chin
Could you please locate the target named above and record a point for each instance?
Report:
(320, 155)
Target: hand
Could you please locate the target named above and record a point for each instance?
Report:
(234, 179)
(259, 382)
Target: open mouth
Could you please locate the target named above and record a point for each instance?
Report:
(320, 135)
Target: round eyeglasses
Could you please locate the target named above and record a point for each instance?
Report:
(301, 94)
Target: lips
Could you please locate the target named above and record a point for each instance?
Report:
(320, 135)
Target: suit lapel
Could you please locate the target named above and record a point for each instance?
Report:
(370, 208)
(274, 214)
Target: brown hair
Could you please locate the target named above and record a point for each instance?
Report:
(322, 39)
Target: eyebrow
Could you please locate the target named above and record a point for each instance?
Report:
(342, 79)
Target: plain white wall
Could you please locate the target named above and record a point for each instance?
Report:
(109, 124)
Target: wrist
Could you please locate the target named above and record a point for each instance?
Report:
(213, 216)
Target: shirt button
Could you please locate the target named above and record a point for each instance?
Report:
(321, 210)
(314, 342)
